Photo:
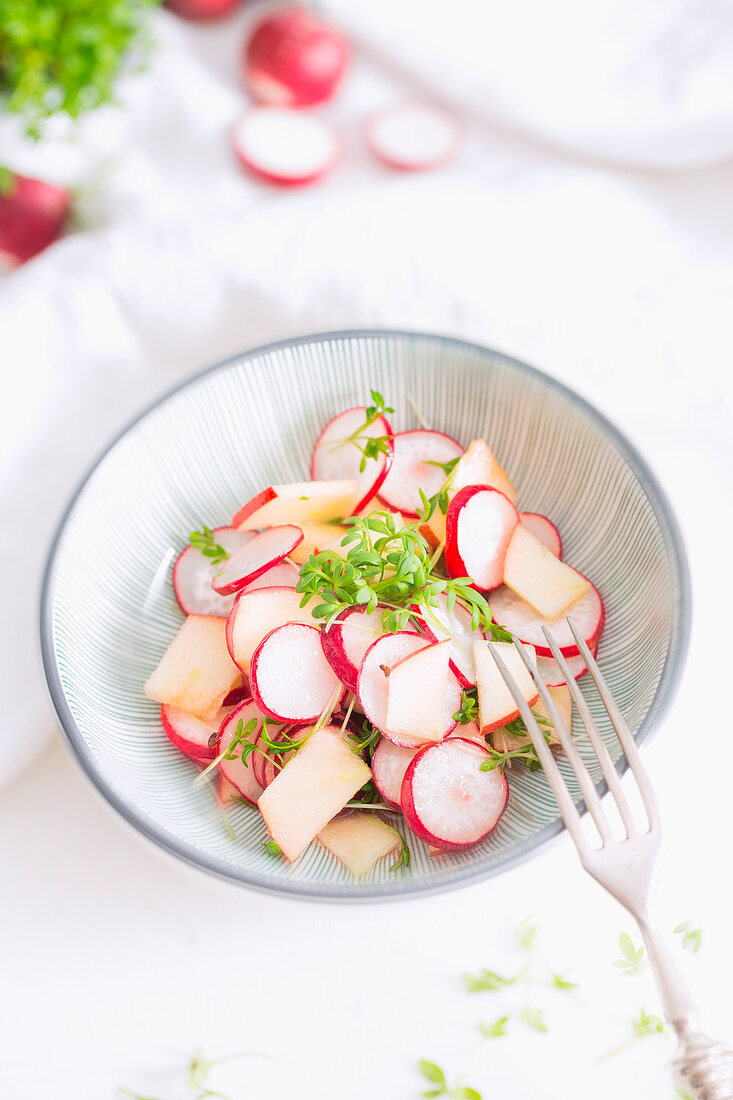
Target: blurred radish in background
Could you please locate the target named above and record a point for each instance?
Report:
(294, 60)
(32, 214)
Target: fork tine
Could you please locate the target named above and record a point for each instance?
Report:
(569, 813)
(587, 786)
(628, 744)
(604, 757)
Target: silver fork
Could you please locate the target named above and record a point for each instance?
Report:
(703, 1067)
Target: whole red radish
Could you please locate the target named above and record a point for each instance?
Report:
(32, 214)
(202, 9)
(294, 60)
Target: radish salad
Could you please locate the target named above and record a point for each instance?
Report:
(333, 671)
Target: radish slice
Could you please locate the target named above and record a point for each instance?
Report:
(521, 619)
(552, 674)
(447, 800)
(347, 640)
(255, 614)
(193, 574)
(416, 464)
(193, 737)
(264, 765)
(290, 677)
(439, 623)
(372, 684)
(284, 146)
(544, 530)
(282, 575)
(293, 60)
(256, 557)
(479, 526)
(226, 792)
(239, 773)
(413, 136)
(389, 764)
(237, 695)
(470, 732)
(336, 458)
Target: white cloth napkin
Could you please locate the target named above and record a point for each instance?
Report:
(616, 281)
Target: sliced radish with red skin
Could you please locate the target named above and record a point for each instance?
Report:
(267, 764)
(552, 674)
(389, 764)
(544, 530)
(282, 575)
(259, 554)
(238, 772)
(347, 640)
(373, 686)
(521, 619)
(226, 792)
(479, 526)
(293, 60)
(255, 614)
(193, 574)
(416, 465)
(288, 147)
(335, 458)
(470, 732)
(192, 736)
(440, 623)
(447, 800)
(291, 679)
(413, 136)
(237, 695)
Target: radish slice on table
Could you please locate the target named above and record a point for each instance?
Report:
(413, 136)
(521, 619)
(439, 623)
(479, 526)
(447, 800)
(544, 530)
(255, 614)
(336, 456)
(292, 59)
(256, 557)
(193, 574)
(347, 640)
(282, 575)
(284, 146)
(290, 677)
(552, 674)
(192, 736)
(373, 684)
(236, 771)
(417, 464)
(389, 764)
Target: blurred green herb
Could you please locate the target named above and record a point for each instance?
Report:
(633, 961)
(436, 1077)
(691, 936)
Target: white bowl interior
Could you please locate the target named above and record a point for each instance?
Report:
(194, 458)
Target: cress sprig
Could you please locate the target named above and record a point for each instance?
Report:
(370, 446)
(389, 567)
(204, 541)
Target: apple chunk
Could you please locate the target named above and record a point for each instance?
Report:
(317, 537)
(538, 577)
(311, 789)
(359, 841)
(503, 741)
(416, 693)
(196, 672)
(478, 466)
(496, 704)
(302, 502)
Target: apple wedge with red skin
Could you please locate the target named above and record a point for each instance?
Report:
(194, 573)
(347, 639)
(544, 530)
(416, 691)
(373, 685)
(417, 464)
(479, 525)
(337, 457)
(236, 771)
(258, 612)
(521, 619)
(290, 678)
(306, 501)
(447, 800)
(496, 704)
(389, 764)
(255, 557)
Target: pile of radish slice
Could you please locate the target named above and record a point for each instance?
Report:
(255, 654)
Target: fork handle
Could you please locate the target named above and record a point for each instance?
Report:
(678, 1005)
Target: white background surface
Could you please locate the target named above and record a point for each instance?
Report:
(617, 279)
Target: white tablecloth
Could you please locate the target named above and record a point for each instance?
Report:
(616, 278)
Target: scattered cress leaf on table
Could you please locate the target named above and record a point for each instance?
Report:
(633, 961)
(495, 1030)
(691, 936)
(533, 1017)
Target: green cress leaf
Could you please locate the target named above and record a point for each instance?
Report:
(533, 1018)
(204, 541)
(486, 981)
(431, 1072)
(495, 1030)
(691, 936)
